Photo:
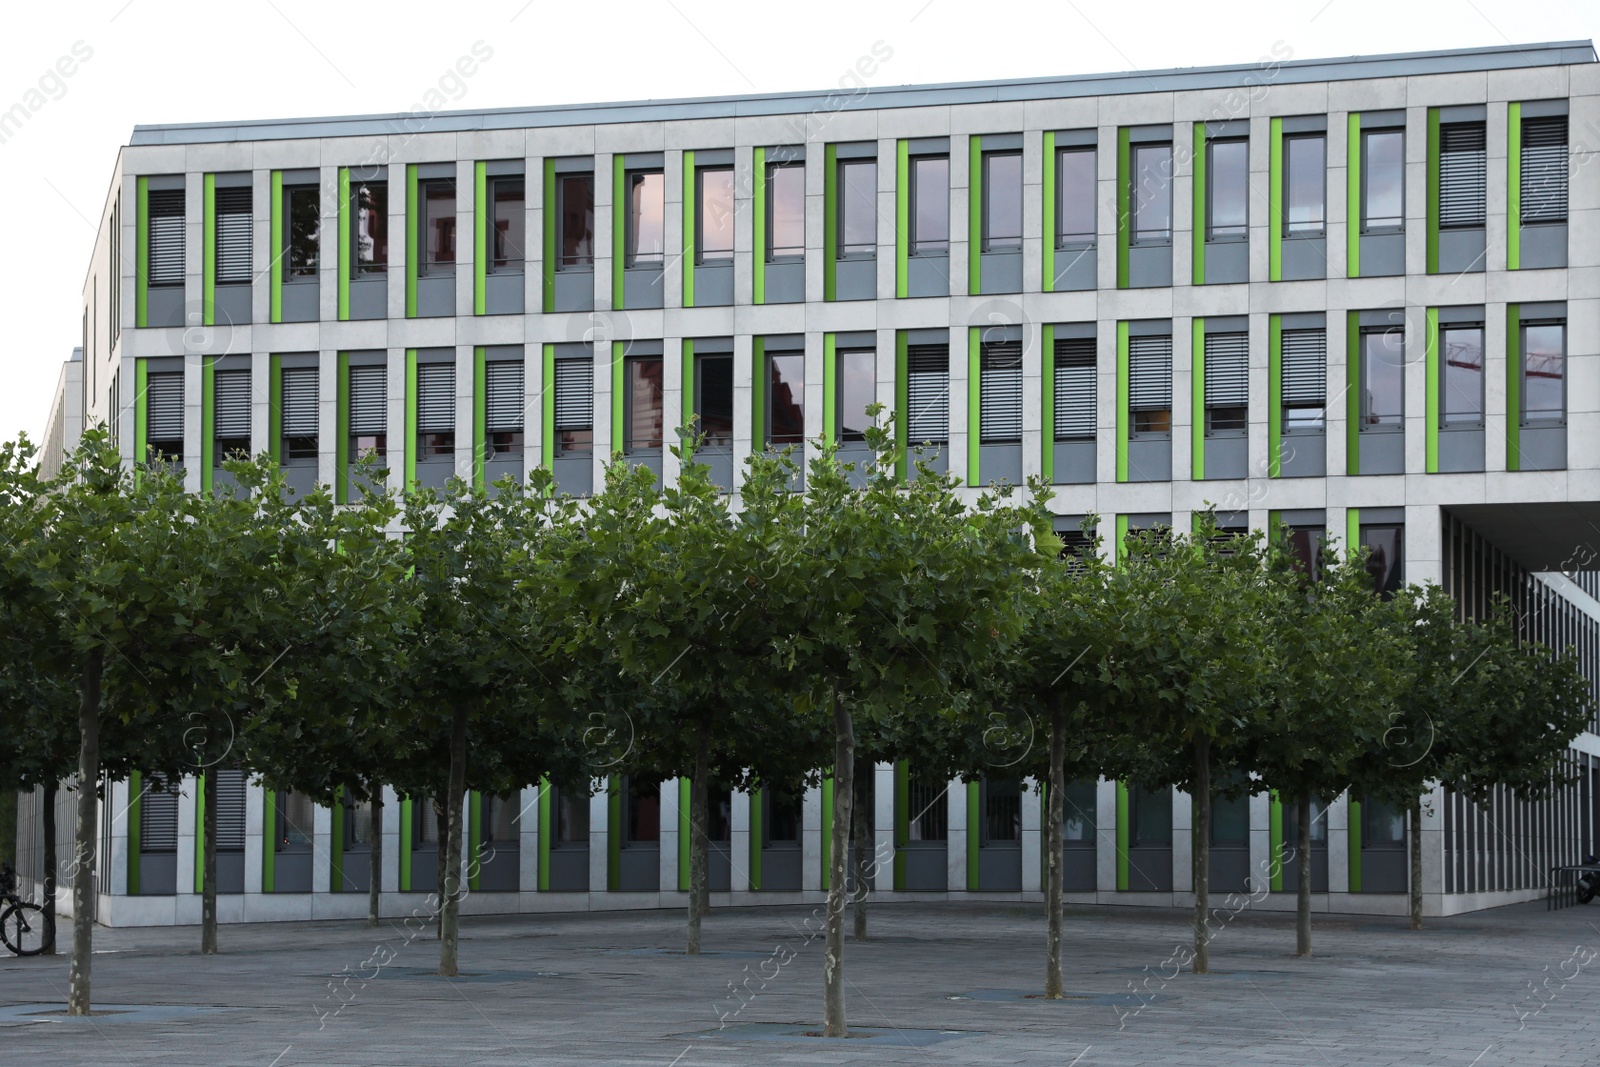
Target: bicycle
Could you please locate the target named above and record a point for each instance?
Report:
(27, 929)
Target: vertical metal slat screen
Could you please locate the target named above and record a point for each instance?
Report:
(436, 397)
(1075, 388)
(230, 809)
(1305, 368)
(928, 394)
(158, 820)
(166, 236)
(231, 417)
(574, 394)
(164, 406)
(369, 408)
(1000, 392)
(1227, 370)
(1463, 174)
(299, 402)
(503, 396)
(1544, 169)
(233, 235)
(1150, 373)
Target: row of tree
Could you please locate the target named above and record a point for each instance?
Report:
(482, 640)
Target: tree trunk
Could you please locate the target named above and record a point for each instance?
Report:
(450, 918)
(1053, 873)
(1202, 853)
(861, 818)
(1302, 866)
(208, 865)
(1416, 864)
(699, 852)
(844, 756)
(86, 833)
(51, 860)
(375, 859)
(441, 857)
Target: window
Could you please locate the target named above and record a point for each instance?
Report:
(1544, 169)
(642, 384)
(500, 818)
(1463, 174)
(714, 243)
(858, 390)
(1544, 358)
(503, 387)
(1305, 200)
(570, 809)
(930, 205)
(1230, 821)
(371, 203)
(438, 223)
(234, 234)
(786, 208)
(295, 822)
(1002, 810)
(641, 812)
(1383, 186)
(163, 398)
(574, 406)
(647, 209)
(782, 816)
(575, 207)
(1385, 544)
(298, 419)
(508, 224)
(858, 208)
(230, 809)
(927, 810)
(1075, 388)
(357, 824)
(1228, 190)
(1002, 202)
(1383, 825)
(1151, 816)
(1383, 379)
(1078, 805)
(1303, 381)
(786, 418)
(1152, 193)
(165, 236)
(158, 818)
(1227, 382)
(713, 399)
(1150, 384)
(436, 409)
(369, 412)
(719, 813)
(928, 394)
(1305, 548)
(1461, 367)
(1000, 392)
(1075, 197)
(302, 206)
(230, 418)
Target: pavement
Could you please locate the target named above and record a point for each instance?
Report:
(936, 983)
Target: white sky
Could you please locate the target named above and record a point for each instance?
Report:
(175, 61)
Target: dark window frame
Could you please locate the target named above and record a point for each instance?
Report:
(579, 261)
(771, 251)
(844, 250)
(986, 235)
(916, 247)
(1076, 242)
(1366, 179)
(1290, 229)
(1212, 236)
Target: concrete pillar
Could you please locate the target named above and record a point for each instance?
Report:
(956, 836)
(1032, 838)
(1105, 845)
(670, 819)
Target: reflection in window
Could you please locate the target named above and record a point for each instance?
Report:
(1385, 563)
(858, 207)
(1544, 358)
(571, 816)
(372, 227)
(510, 225)
(858, 389)
(643, 396)
(1078, 808)
(1383, 194)
(1382, 378)
(1305, 188)
(1383, 825)
(1229, 189)
(713, 400)
(576, 209)
(1305, 548)
(647, 210)
(786, 420)
(786, 199)
(1461, 361)
(1151, 816)
(1002, 202)
(930, 205)
(782, 815)
(296, 816)
(1075, 193)
(1002, 810)
(1230, 821)
(1152, 192)
(641, 811)
(715, 216)
(439, 227)
(303, 209)
(927, 809)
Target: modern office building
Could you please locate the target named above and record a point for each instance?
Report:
(1359, 297)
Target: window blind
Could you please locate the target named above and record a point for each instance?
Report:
(1303, 380)
(503, 399)
(166, 236)
(231, 404)
(233, 235)
(369, 408)
(1544, 169)
(436, 397)
(299, 401)
(158, 821)
(1227, 370)
(1076, 387)
(230, 809)
(928, 394)
(1150, 373)
(574, 394)
(1000, 392)
(1463, 177)
(163, 398)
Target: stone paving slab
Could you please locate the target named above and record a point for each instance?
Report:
(941, 983)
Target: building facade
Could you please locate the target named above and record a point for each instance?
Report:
(1358, 297)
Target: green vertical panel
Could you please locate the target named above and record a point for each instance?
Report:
(830, 222)
(1513, 387)
(413, 445)
(758, 220)
(208, 415)
(974, 833)
(480, 237)
(546, 827)
(1352, 209)
(413, 239)
(1198, 225)
(407, 813)
(902, 819)
(1274, 396)
(1124, 836)
(1124, 163)
(1352, 393)
(974, 406)
(619, 228)
(618, 348)
(830, 388)
(1433, 190)
(688, 229)
(480, 417)
(902, 404)
(1355, 846)
(345, 222)
(276, 252)
(1120, 538)
(902, 214)
(685, 832)
(1513, 186)
(1275, 202)
(141, 252)
(275, 408)
(547, 409)
(1197, 398)
(1352, 529)
(200, 833)
(1122, 401)
(135, 791)
(1047, 185)
(1431, 359)
(141, 411)
(336, 844)
(269, 841)
(755, 839)
(974, 214)
(1275, 835)
(758, 394)
(1047, 392)
(548, 239)
(827, 831)
(474, 840)
(208, 252)
(613, 834)
(341, 441)
(686, 406)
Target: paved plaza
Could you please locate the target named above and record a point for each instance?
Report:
(936, 984)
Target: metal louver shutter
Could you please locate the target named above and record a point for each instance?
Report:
(1000, 392)
(928, 394)
(1544, 169)
(503, 396)
(230, 809)
(300, 401)
(233, 234)
(369, 407)
(1150, 373)
(574, 394)
(163, 398)
(436, 397)
(1463, 177)
(166, 236)
(158, 821)
(1304, 380)
(1076, 387)
(231, 395)
(1227, 370)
